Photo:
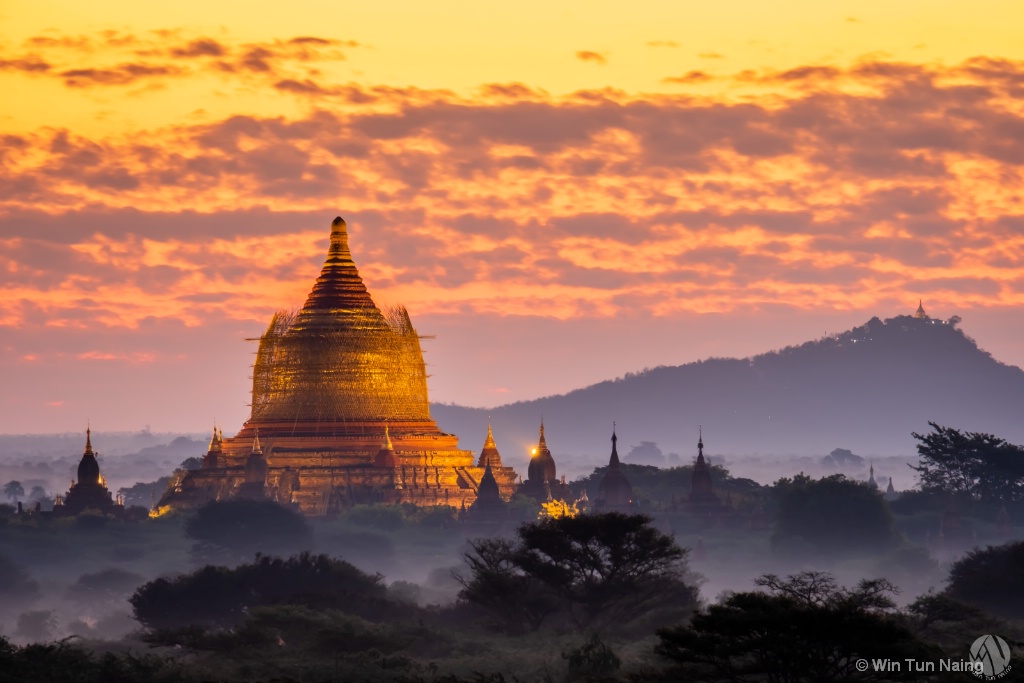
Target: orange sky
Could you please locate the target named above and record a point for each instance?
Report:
(677, 180)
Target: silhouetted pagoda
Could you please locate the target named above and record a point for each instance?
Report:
(919, 313)
(614, 493)
(90, 491)
(702, 500)
(332, 382)
(541, 482)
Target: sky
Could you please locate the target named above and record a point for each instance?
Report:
(560, 192)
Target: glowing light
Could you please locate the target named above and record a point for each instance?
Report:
(159, 511)
(558, 508)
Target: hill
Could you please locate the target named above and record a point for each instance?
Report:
(866, 390)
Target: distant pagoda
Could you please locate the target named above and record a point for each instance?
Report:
(541, 482)
(90, 492)
(340, 414)
(614, 493)
(702, 500)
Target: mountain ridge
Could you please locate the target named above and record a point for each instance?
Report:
(865, 389)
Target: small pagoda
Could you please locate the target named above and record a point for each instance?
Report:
(615, 493)
(90, 492)
(542, 483)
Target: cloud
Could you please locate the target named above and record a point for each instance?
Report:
(200, 47)
(122, 74)
(86, 61)
(28, 64)
(844, 186)
(588, 56)
(690, 77)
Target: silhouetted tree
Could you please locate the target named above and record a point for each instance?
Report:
(802, 628)
(832, 515)
(65, 663)
(14, 490)
(191, 464)
(978, 465)
(990, 578)
(218, 597)
(245, 527)
(497, 583)
(593, 570)
(593, 659)
(145, 494)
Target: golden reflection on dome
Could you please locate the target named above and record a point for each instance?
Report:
(340, 357)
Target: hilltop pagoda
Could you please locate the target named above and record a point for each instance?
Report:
(340, 414)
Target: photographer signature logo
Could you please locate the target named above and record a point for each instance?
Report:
(993, 654)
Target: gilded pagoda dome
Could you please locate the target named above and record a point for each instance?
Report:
(340, 359)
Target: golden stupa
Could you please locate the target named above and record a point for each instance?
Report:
(340, 414)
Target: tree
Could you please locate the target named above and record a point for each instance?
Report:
(801, 628)
(14, 490)
(145, 494)
(218, 597)
(989, 578)
(981, 466)
(832, 515)
(62, 662)
(593, 571)
(245, 527)
(38, 494)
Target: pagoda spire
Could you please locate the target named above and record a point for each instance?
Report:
(614, 460)
(88, 442)
(542, 444)
(256, 448)
(920, 309)
(387, 438)
(215, 440)
(489, 455)
(339, 285)
(700, 443)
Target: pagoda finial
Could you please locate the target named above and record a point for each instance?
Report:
(387, 438)
(489, 441)
(256, 448)
(614, 460)
(542, 443)
(339, 241)
(700, 439)
(920, 309)
(88, 442)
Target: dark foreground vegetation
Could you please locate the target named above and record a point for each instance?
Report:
(244, 591)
